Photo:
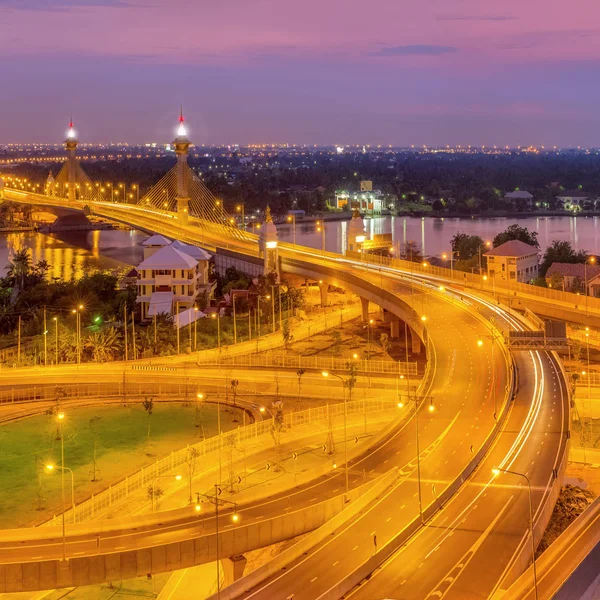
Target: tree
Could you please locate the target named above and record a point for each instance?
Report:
(384, 338)
(560, 251)
(20, 267)
(287, 334)
(234, 387)
(154, 493)
(190, 461)
(148, 405)
(411, 252)
(466, 246)
(277, 428)
(516, 232)
(299, 373)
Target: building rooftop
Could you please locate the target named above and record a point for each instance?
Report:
(168, 258)
(193, 251)
(513, 248)
(519, 195)
(573, 270)
(156, 240)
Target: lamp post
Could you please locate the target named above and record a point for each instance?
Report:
(327, 374)
(234, 321)
(240, 209)
(61, 417)
(273, 308)
(486, 245)
(430, 408)
(77, 313)
(292, 219)
(480, 345)
(217, 316)
(445, 257)
(496, 471)
(235, 517)
(321, 230)
(591, 260)
(195, 328)
(55, 319)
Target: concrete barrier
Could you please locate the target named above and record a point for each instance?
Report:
(275, 565)
(192, 549)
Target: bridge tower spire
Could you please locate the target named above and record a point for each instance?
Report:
(71, 147)
(182, 146)
(269, 244)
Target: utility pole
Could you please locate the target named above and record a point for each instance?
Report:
(45, 340)
(19, 341)
(125, 328)
(133, 335)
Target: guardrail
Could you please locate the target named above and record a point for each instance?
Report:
(318, 363)
(146, 476)
(476, 281)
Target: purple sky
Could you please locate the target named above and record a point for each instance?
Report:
(311, 71)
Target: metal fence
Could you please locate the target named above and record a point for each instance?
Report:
(319, 363)
(147, 476)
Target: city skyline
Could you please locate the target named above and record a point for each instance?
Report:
(454, 73)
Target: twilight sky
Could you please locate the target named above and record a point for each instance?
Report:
(307, 71)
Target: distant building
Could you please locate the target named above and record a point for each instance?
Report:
(367, 201)
(572, 277)
(171, 277)
(513, 261)
(520, 199)
(573, 200)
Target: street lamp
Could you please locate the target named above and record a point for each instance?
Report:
(235, 517)
(327, 374)
(61, 417)
(240, 209)
(591, 260)
(217, 316)
(77, 313)
(321, 230)
(496, 471)
(485, 245)
(431, 409)
(50, 468)
(55, 319)
(292, 219)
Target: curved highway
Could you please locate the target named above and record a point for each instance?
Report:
(462, 419)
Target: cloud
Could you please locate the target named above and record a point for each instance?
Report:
(58, 5)
(416, 50)
(473, 18)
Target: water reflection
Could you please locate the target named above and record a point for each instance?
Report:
(73, 254)
(434, 234)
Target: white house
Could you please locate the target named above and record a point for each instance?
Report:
(574, 200)
(513, 261)
(171, 277)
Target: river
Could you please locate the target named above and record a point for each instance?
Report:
(71, 254)
(433, 235)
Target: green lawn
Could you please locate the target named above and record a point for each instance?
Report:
(121, 448)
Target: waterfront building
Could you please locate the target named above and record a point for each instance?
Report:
(571, 277)
(366, 200)
(574, 200)
(519, 199)
(171, 277)
(513, 261)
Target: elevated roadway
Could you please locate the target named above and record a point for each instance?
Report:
(461, 385)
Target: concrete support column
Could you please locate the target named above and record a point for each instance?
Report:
(323, 288)
(394, 329)
(364, 303)
(233, 568)
(415, 342)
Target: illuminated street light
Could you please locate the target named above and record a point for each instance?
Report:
(496, 471)
(344, 383)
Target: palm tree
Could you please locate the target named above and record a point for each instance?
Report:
(104, 345)
(20, 267)
(41, 268)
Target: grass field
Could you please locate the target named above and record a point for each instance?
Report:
(120, 436)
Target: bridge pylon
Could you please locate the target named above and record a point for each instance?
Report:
(182, 147)
(71, 146)
(269, 244)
